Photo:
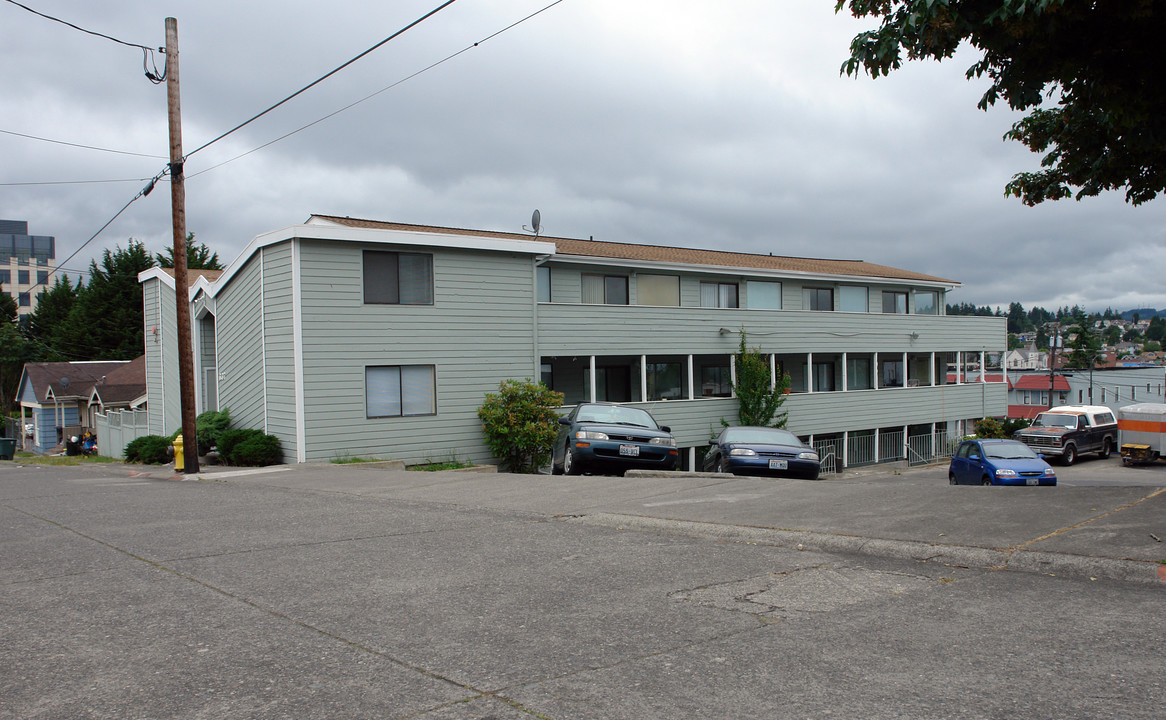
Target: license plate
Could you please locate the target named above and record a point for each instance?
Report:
(1032, 481)
(629, 450)
(775, 464)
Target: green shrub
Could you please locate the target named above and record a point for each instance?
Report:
(989, 428)
(520, 424)
(257, 451)
(149, 449)
(209, 426)
(229, 439)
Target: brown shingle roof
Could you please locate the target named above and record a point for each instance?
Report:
(125, 384)
(660, 253)
(82, 377)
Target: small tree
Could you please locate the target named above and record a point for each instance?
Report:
(520, 424)
(759, 397)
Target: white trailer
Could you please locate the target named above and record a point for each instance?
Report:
(1142, 432)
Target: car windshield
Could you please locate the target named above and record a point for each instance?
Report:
(1008, 451)
(762, 436)
(1055, 420)
(615, 415)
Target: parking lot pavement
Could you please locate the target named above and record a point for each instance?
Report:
(325, 592)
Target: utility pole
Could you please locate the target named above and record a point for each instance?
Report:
(1054, 340)
(178, 212)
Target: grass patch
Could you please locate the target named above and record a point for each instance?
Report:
(67, 460)
(435, 466)
(350, 460)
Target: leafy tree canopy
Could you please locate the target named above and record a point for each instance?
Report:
(1087, 73)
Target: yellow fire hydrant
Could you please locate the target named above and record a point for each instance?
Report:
(179, 460)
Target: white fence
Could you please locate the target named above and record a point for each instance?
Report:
(117, 428)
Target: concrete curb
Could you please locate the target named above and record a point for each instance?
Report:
(1045, 563)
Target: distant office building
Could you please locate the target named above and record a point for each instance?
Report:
(25, 263)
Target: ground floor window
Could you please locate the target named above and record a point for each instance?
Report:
(400, 390)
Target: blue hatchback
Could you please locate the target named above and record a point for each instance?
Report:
(991, 461)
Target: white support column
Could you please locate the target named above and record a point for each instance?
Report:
(983, 367)
(810, 372)
(592, 378)
(1004, 367)
(692, 458)
(959, 367)
(876, 446)
(844, 382)
(904, 370)
(874, 371)
(643, 378)
(691, 387)
(932, 371)
(772, 371)
(906, 445)
(733, 376)
(845, 448)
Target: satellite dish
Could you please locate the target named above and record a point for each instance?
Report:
(64, 383)
(536, 221)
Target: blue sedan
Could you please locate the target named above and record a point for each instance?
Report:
(609, 438)
(766, 451)
(998, 462)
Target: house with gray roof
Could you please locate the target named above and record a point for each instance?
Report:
(357, 338)
(62, 399)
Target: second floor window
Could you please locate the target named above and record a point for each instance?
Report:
(392, 278)
(894, 302)
(605, 289)
(818, 298)
(718, 295)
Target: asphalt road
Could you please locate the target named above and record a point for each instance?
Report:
(348, 592)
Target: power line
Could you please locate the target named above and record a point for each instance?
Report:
(147, 52)
(72, 182)
(322, 78)
(370, 96)
(77, 145)
(75, 27)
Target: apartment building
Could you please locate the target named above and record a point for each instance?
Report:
(349, 337)
(25, 263)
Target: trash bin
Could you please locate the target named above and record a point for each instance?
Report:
(7, 448)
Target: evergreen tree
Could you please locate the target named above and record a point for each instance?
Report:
(757, 403)
(45, 325)
(198, 256)
(106, 320)
(14, 352)
(1085, 346)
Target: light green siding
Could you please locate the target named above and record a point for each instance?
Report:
(164, 401)
(279, 346)
(477, 333)
(239, 330)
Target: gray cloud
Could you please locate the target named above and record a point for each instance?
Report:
(723, 126)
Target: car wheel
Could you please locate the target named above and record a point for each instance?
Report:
(951, 479)
(1070, 455)
(1106, 449)
(985, 480)
(570, 467)
(723, 467)
(556, 469)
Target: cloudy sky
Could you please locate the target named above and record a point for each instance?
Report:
(717, 125)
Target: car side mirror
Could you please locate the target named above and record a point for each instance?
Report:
(665, 428)
(564, 421)
(1041, 456)
(712, 442)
